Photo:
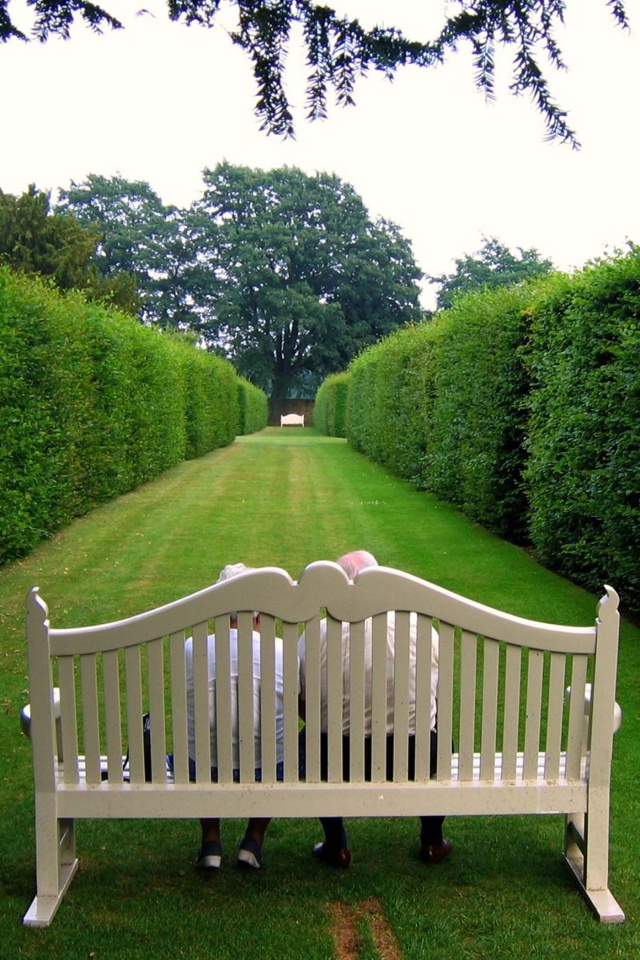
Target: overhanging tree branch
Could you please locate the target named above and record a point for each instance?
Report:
(339, 49)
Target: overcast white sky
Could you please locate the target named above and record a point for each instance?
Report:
(159, 102)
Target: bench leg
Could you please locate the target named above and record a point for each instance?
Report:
(56, 865)
(588, 859)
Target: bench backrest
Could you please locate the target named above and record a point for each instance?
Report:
(501, 685)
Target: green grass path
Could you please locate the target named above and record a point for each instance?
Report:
(285, 498)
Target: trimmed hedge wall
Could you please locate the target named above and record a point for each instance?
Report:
(475, 455)
(584, 434)
(211, 402)
(521, 405)
(92, 404)
(253, 407)
(330, 407)
(391, 397)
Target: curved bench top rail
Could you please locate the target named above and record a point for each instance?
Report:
(272, 591)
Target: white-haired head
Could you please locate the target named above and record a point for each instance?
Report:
(232, 570)
(228, 573)
(352, 563)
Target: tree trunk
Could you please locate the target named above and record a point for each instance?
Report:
(276, 401)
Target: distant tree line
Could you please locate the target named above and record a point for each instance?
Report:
(494, 265)
(282, 273)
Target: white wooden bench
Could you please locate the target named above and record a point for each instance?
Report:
(292, 420)
(522, 746)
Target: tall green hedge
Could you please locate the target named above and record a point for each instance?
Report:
(330, 407)
(42, 369)
(212, 413)
(93, 404)
(522, 406)
(253, 407)
(390, 399)
(360, 399)
(476, 452)
(584, 434)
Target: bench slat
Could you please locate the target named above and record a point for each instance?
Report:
(555, 701)
(157, 711)
(68, 717)
(401, 665)
(268, 699)
(290, 700)
(379, 697)
(491, 651)
(334, 699)
(221, 703)
(468, 670)
(111, 680)
(89, 686)
(356, 701)
(247, 685)
(511, 723)
(577, 727)
(313, 685)
(179, 707)
(533, 717)
(423, 696)
(445, 697)
(133, 686)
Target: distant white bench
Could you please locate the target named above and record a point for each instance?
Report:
(292, 420)
(522, 745)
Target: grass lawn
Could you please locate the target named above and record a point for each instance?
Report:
(286, 497)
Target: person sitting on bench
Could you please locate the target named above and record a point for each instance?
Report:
(334, 850)
(250, 850)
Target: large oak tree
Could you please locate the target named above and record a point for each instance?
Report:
(295, 276)
(284, 273)
(339, 49)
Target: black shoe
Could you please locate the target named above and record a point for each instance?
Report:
(250, 854)
(435, 852)
(209, 856)
(338, 857)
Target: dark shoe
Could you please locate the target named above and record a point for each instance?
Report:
(209, 856)
(339, 857)
(435, 852)
(250, 854)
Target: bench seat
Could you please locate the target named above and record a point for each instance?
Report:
(519, 778)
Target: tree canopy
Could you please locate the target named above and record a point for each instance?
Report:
(339, 49)
(296, 278)
(35, 239)
(494, 265)
(284, 273)
(139, 236)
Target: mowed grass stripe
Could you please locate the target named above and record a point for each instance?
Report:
(284, 497)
